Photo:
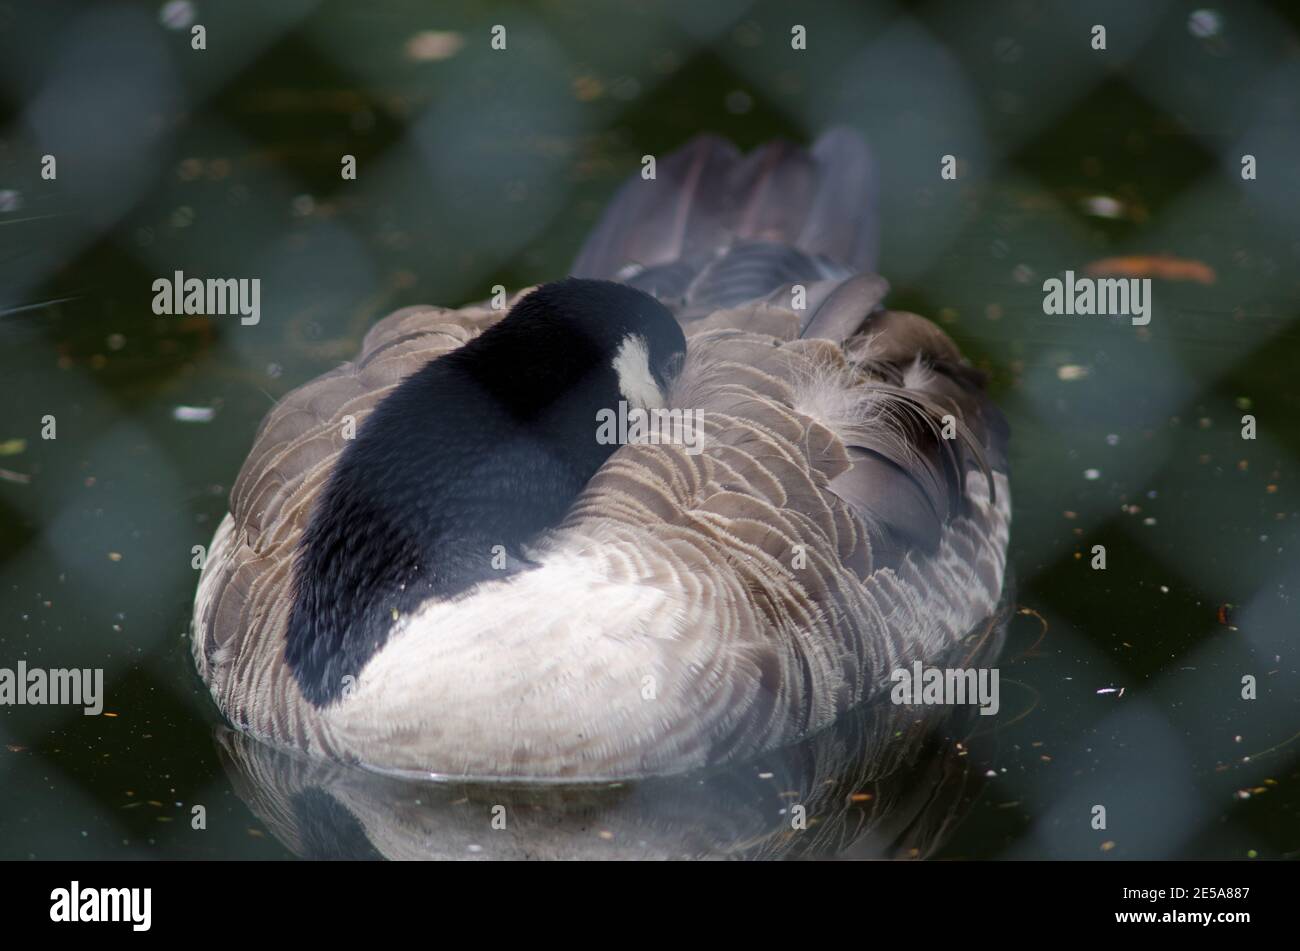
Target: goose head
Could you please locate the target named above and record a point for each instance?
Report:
(574, 340)
(465, 462)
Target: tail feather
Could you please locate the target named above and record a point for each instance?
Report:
(837, 309)
(844, 220)
(676, 215)
(715, 228)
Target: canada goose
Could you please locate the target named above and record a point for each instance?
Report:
(474, 586)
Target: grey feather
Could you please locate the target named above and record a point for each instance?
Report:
(824, 434)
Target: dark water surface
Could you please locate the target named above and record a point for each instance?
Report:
(1120, 687)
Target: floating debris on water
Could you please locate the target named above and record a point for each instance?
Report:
(1204, 24)
(193, 414)
(431, 46)
(1103, 206)
(1092, 475)
(1160, 266)
(1071, 371)
(176, 14)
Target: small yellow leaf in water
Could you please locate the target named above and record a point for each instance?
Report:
(433, 45)
(1070, 372)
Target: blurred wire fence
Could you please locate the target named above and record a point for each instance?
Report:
(478, 166)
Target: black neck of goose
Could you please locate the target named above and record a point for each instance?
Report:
(445, 483)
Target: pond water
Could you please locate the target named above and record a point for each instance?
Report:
(1121, 686)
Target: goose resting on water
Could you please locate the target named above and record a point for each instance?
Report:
(476, 586)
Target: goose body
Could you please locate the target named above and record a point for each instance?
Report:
(474, 586)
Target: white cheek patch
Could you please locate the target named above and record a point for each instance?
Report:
(635, 381)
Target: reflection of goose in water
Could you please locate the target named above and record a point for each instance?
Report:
(885, 781)
(848, 513)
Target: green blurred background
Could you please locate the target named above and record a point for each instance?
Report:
(478, 167)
